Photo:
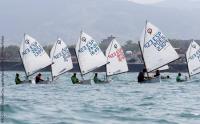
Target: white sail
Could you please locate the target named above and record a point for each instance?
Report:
(61, 58)
(156, 49)
(116, 59)
(164, 68)
(193, 58)
(33, 55)
(89, 55)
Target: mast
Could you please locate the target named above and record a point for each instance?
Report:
(2, 79)
(52, 61)
(77, 56)
(22, 60)
(187, 62)
(143, 48)
(187, 66)
(107, 59)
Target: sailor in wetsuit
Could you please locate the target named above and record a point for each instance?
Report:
(74, 79)
(157, 73)
(96, 79)
(38, 78)
(141, 76)
(17, 79)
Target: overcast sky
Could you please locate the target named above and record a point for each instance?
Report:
(48, 19)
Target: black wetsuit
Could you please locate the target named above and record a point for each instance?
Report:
(38, 79)
(141, 77)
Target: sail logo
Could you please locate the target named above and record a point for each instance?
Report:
(59, 42)
(193, 46)
(115, 46)
(83, 39)
(27, 41)
(91, 46)
(149, 30)
(64, 53)
(118, 53)
(159, 41)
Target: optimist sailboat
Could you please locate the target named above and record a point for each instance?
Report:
(193, 59)
(89, 55)
(156, 50)
(117, 63)
(33, 56)
(61, 59)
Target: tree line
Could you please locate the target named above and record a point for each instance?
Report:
(11, 52)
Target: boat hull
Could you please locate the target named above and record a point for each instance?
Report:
(25, 82)
(153, 80)
(84, 82)
(103, 82)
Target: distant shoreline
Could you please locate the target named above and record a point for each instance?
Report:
(18, 66)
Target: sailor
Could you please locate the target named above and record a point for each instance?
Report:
(179, 78)
(38, 78)
(17, 79)
(141, 77)
(145, 73)
(96, 80)
(157, 73)
(74, 79)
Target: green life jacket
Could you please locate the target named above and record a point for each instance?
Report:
(96, 80)
(17, 80)
(74, 79)
(178, 79)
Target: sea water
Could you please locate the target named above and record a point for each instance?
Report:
(123, 101)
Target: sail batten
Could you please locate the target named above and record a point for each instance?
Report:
(193, 58)
(89, 54)
(61, 58)
(116, 59)
(156, 49)
(33, 55)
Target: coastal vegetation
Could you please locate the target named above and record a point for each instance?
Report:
(11, 52)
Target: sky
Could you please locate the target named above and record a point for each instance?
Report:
(156, 1)
(146, 1)
(46, 20)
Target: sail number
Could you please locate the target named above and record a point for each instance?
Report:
(158, 41)
(91, 46)
(118, 53)
(64, 53)
(35, 48)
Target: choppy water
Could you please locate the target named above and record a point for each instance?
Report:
(122, 101)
